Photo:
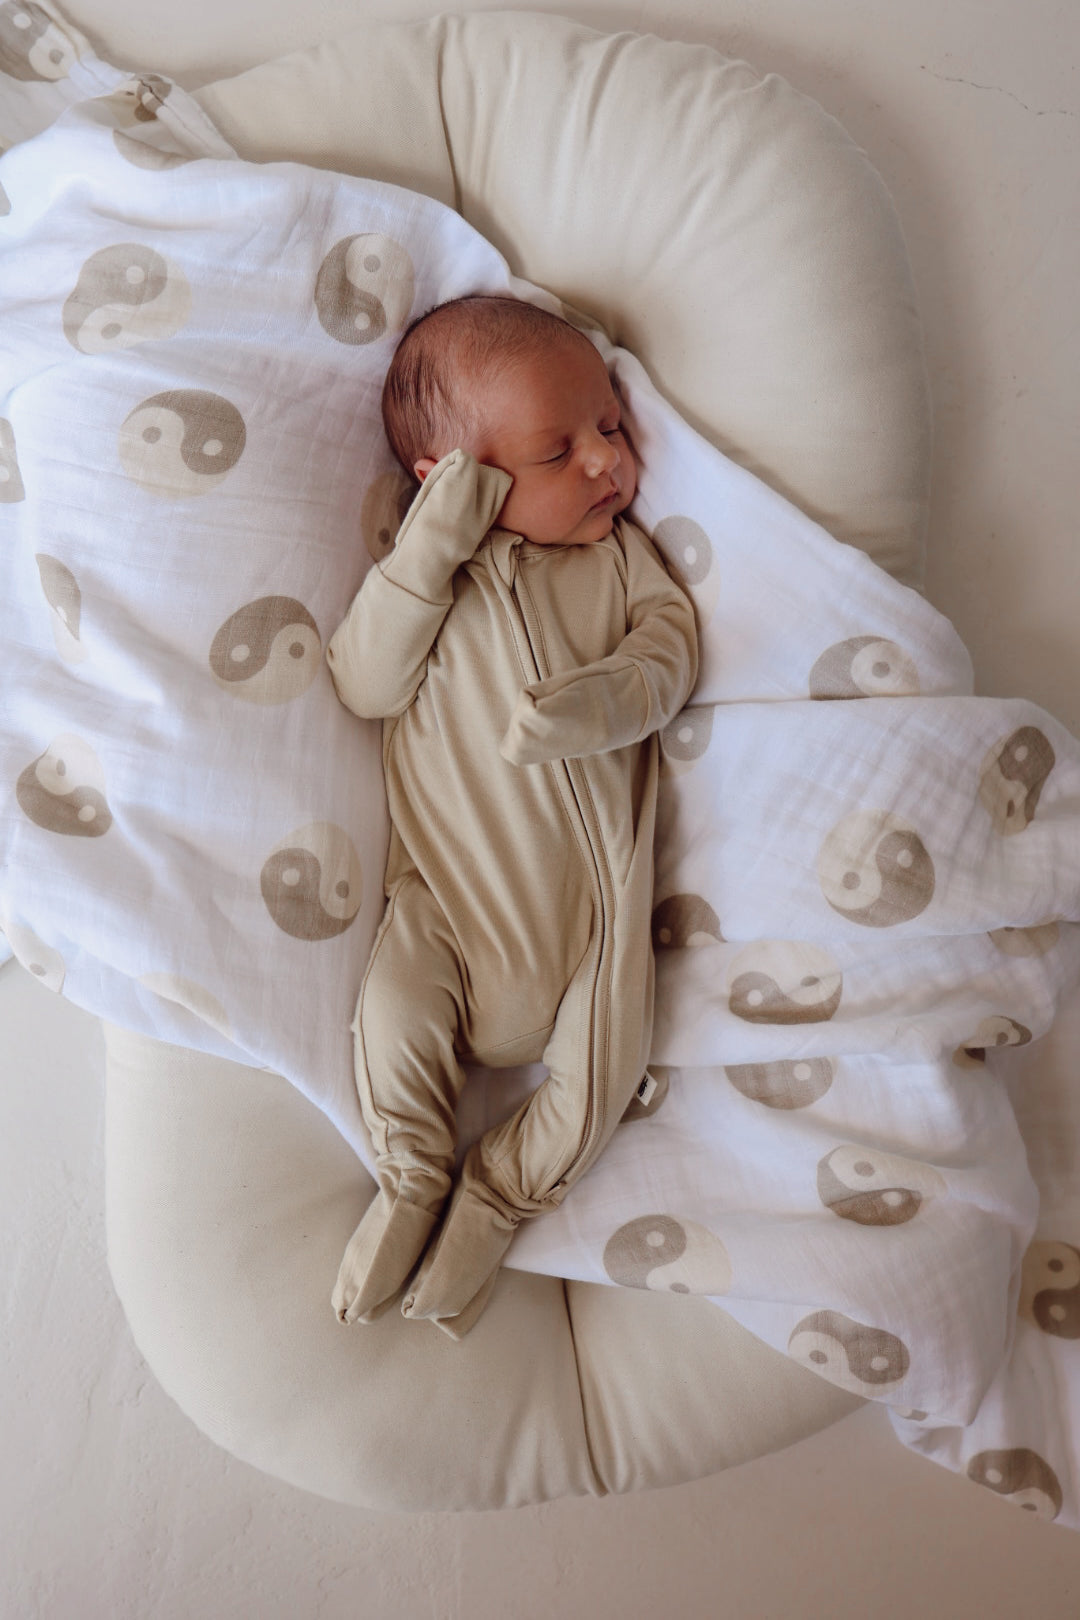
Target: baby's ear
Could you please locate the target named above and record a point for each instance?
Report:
(422, 467)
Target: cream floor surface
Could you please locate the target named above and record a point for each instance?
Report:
(113, 1506)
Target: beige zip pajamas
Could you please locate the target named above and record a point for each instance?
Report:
(521, 689)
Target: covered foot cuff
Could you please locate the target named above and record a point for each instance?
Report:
(455, 1281)
(380, 1256)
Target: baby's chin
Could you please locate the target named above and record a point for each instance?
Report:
(607, 515)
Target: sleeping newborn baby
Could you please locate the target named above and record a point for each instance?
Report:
(523, 645)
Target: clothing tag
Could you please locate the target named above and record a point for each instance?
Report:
(646, 1089)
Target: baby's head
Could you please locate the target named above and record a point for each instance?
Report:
(521, 390)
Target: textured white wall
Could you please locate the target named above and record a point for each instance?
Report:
(112, 1505)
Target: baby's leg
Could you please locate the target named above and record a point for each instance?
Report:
(527, 1164)
(409, 1080)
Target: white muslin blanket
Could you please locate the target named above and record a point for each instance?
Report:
(867, 879)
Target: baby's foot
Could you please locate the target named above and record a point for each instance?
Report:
(380, 1257)
(455, 1281)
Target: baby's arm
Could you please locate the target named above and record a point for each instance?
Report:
(625, 697)
(378, 654)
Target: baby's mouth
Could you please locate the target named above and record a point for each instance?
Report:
(605, 501)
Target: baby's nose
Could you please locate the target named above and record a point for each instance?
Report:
(600, 456)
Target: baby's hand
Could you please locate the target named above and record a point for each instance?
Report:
(528, 740)
(497, 522)
(585, 711)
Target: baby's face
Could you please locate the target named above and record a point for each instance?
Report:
(552, 421)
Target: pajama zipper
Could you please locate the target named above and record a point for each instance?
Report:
(574, 776)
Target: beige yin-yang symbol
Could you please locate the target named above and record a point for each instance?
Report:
(1050, 1288)
(864, 666)
(1013, 776)
(1022, 1477)
(138, 101)
(45, 963)
(63, 791)
(31, 44)
(991, 1033)
(865, 1360)
(135, 106)
(382, 511)
(312, 882)
(686, 739)
(364, 289)
(784, 982)
(875, 870)
(783, 1083)
(688, 552)
(667, 1255)
(11, 484)
(874, 1188)
(125, 294)
(182, 442)
(683, 922)
(268, 651)
(61, 590)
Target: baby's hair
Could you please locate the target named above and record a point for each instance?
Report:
(428, 402)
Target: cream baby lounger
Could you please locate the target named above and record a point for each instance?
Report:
(725, 230)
